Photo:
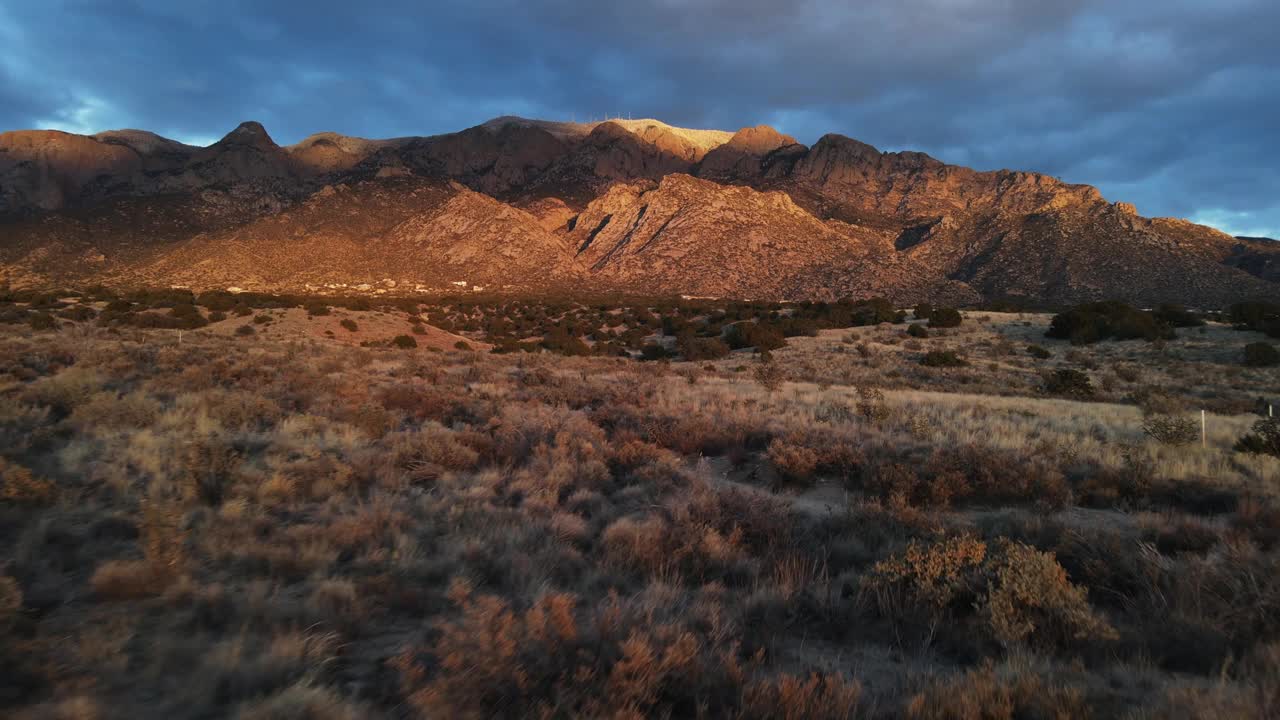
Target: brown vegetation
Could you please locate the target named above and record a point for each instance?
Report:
(267, 526)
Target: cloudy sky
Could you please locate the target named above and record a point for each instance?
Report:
(1171, 104)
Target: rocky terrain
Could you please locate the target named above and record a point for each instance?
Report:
(518, 205)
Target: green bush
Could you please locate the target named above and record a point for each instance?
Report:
(1173, 430)
(654, 351)
(245, 330)
(462, 345)
(561, 341)
(1264, 440)
(874, 312)
(700, 348)
(917, 330)
(758, 335)
(1038, 352)
(1069, 382)
(942, 358)
(185, 311)
(317, 308)
(1094, 322)
(945, 317)
(404, 342)
(261, 319)
(1176, 316)
(923, 311)
(349, 324)
(1261, 354)
(1260, 316)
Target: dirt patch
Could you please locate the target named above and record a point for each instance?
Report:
(369, 327)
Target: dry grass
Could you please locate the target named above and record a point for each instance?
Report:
(282, 525)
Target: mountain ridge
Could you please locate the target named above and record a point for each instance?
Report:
(516, 204)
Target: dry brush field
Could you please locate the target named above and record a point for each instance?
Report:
(280, 523)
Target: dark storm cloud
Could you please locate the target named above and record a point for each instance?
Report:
(1172, 105)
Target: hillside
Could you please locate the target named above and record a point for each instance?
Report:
(638, 206)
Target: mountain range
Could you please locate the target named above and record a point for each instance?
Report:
(635, 206)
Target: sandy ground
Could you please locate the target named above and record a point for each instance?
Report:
(371, 326)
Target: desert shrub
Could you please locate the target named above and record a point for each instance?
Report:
(874, 312)
(317, 308)
(943, 359)
(769, 374)
(1030, 599)
(922, 311)
(18, 486)
(871, 404)
(1261, 354)
(1157, 401)
(820, 697)
(1038, 352)
(245, 330)
(917, 330)
(1012, 593)
(107, 410)
(1094, 322)
(185, 312)
(42, 321)
(557, 659)
(1260, 316)
(65, 391)
(79, 313)
(349, 324)
(1069, 382)
(262, 319)
(945, 317)
(925, 580)
(124, 580)
(984, 694)
(560, 341)
(1171, 429)
(793, 461)
(217, 316)
(404, 342)
(654, 351)
(427, 454)
(1264, 440)
(1176, 316)
(969, 473)
(698, 348)
(754, 334)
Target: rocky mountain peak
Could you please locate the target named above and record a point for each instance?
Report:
(760, 139)
(249, 133)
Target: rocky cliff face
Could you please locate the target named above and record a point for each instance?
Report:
(639, 206)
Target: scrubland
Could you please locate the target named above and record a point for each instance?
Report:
(279, 524)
